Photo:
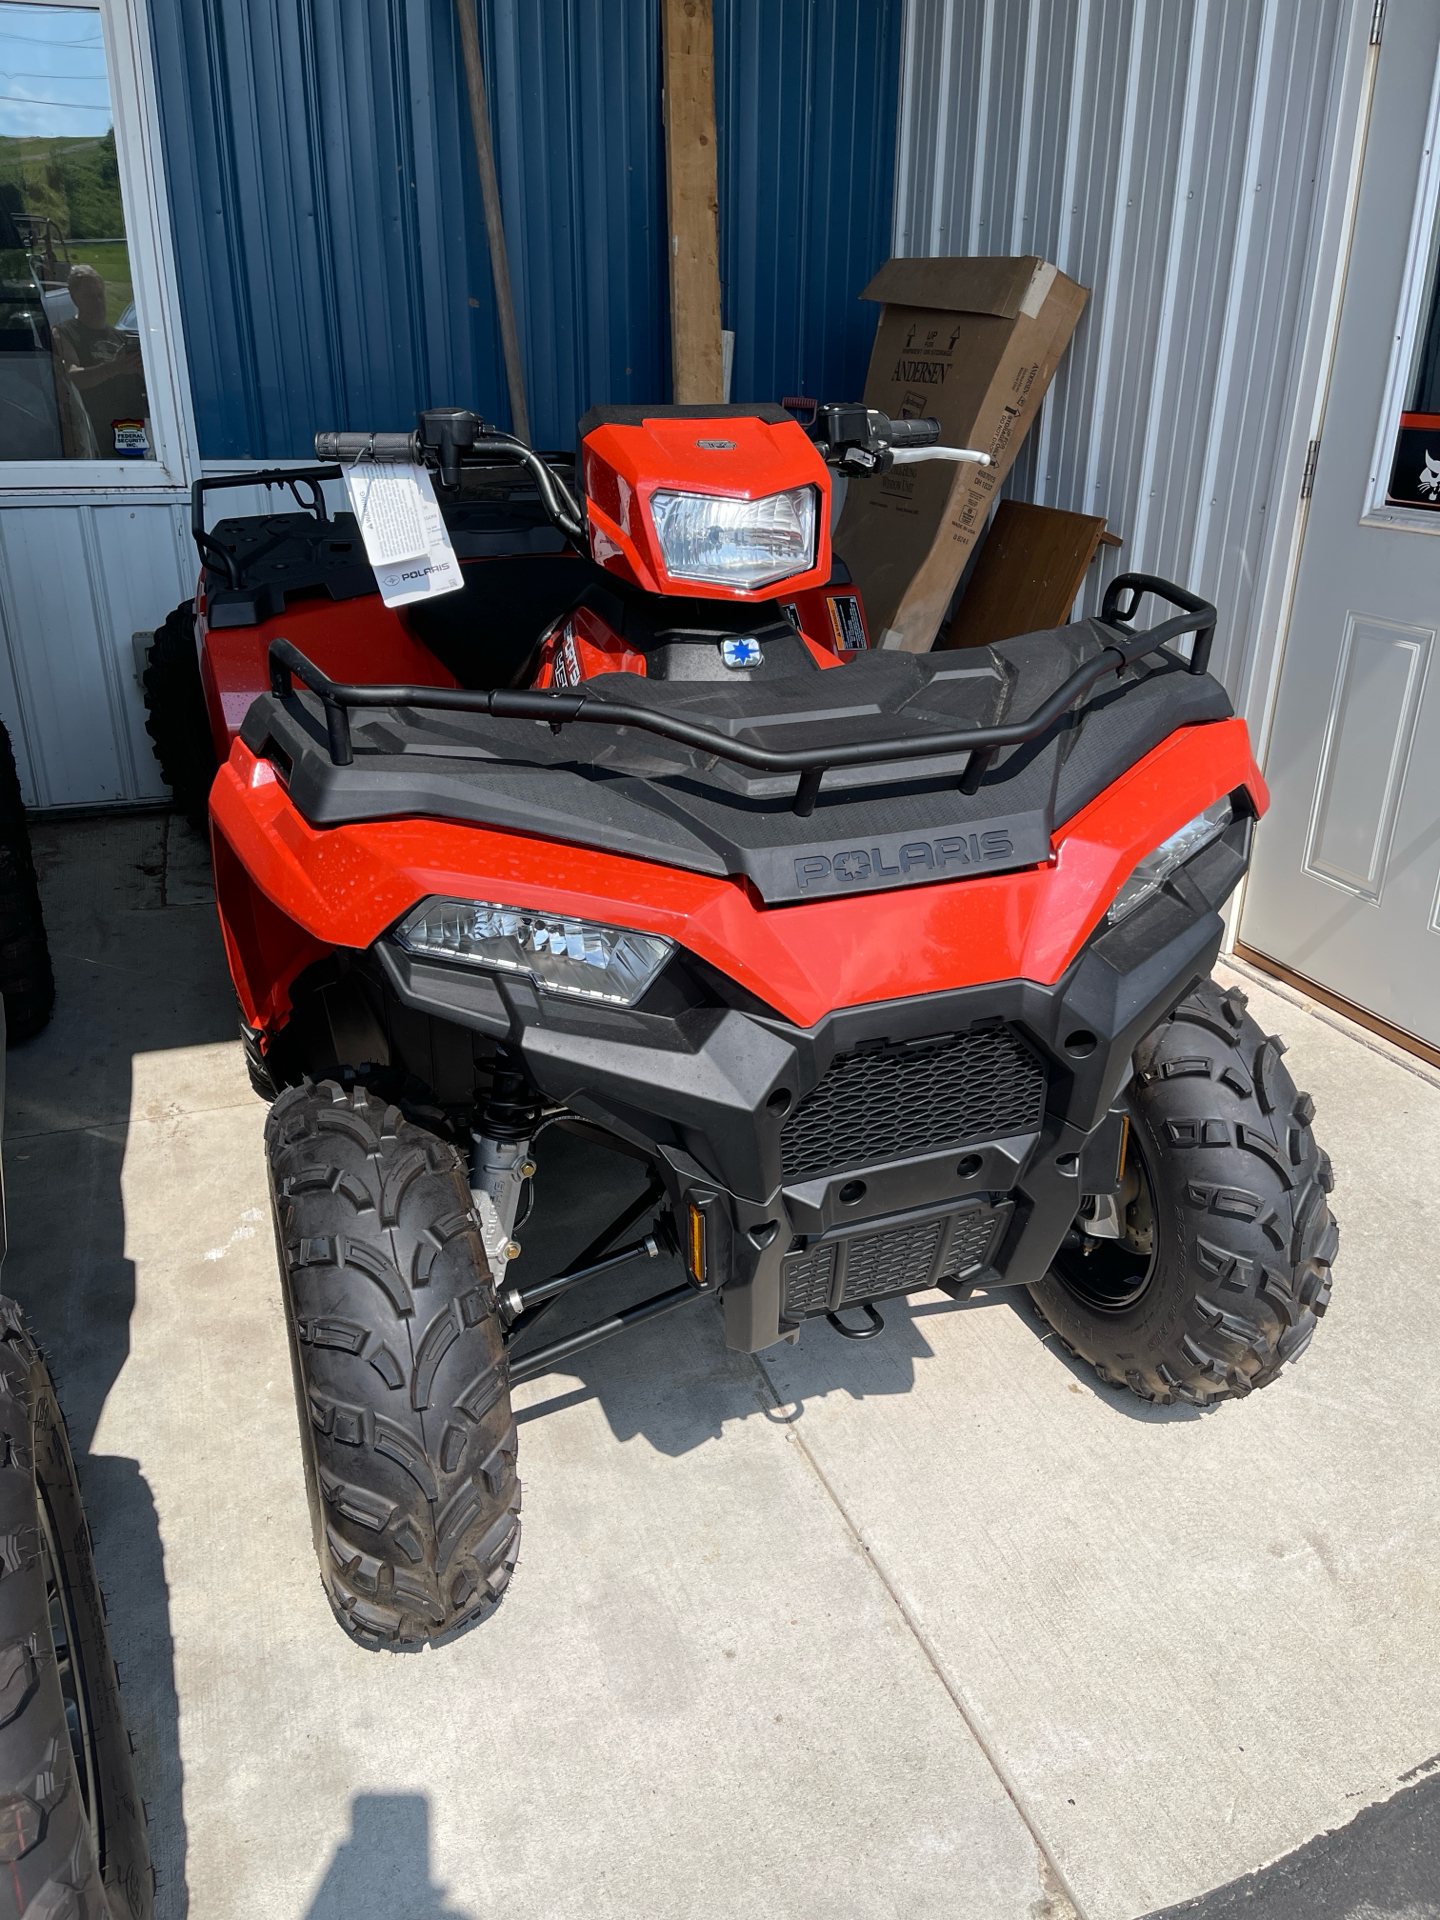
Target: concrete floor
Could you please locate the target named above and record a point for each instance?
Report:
(934, 1626)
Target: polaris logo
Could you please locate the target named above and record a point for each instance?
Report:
(913, 856)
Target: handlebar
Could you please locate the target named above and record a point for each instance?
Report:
(860, 441)
(449, 438)
(909, 433)
(367, 446)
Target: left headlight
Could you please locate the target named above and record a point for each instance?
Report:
(1155, 869)
(735, 543)
(575, 957)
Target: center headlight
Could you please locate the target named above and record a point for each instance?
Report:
(561, 955)
(1155, 869)
(735, 543)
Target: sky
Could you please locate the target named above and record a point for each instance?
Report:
(52, 70)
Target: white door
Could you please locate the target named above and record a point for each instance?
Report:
(1345, 886)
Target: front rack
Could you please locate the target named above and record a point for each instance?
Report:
(287, 665)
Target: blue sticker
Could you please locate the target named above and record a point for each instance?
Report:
(741, 653)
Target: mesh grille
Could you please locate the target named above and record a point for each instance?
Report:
(895, 1259)
(889, 1262)
(969, 1244)
(882, 1103)
(807, 1282)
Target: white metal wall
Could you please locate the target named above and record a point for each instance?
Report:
(1173, 156)
(76, 580)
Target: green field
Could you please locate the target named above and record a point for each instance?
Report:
(72, 181)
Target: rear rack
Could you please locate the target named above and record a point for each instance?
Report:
(287, 665)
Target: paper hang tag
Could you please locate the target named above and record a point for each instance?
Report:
(403, 530)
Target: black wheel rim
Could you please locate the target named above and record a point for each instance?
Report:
(70, 1673)
(1112, 1275)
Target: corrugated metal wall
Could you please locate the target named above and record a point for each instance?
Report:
(334, 270)
(76, 581)
(328, 222)
(805, 97)
(1165, 153)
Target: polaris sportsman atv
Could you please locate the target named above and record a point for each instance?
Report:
(893, 969)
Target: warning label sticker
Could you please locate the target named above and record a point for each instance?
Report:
(403, 530)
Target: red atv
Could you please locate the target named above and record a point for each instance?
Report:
(893, 969)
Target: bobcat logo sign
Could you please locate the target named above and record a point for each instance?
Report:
(1429, 482)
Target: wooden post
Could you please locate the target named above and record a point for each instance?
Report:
(688, 58)
(494, 222)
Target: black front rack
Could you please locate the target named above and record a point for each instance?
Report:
(288, 664)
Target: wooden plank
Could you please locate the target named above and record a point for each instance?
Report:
(688, 61)
(1028, 574)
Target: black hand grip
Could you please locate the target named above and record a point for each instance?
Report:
(914, 433)
(367, 446)
(1134, 586)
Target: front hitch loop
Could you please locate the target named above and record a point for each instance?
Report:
(872, 1314)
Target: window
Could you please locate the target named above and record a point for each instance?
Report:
(1415, 470)
(72, 381)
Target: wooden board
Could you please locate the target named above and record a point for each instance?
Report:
(688, 60)
(1028, 574)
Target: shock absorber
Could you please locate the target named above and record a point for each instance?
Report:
(500, 1162)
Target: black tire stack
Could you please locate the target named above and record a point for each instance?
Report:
(26, 980)
(72, 1824)
(1244, 1237)
(400, 1372)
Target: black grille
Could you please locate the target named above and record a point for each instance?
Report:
(969, 1246)
(888, 1102)
(807, 1282)
(897, 1257)
(892, 1261)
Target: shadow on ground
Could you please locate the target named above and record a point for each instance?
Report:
(383, 1870)
(139, 969)
(672, 1381)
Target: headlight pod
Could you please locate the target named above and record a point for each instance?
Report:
(1155, 869)
(735, 543)
(575, 957)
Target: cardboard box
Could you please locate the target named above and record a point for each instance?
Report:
(972, 343)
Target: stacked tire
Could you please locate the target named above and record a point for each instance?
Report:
(26, 981)
(72, 1825)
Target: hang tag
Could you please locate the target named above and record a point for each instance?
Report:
(403, 529)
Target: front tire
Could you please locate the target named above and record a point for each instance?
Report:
(72, 1823)
(399, 1360)
(1223, 1266)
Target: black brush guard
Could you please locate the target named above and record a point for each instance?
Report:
(287, 665)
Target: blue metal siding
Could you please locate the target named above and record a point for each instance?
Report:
(806, 97)
(328, 227)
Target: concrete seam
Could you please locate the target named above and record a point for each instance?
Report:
(922, 1640)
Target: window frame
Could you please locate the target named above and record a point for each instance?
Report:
(125, 28)
(1422, 263)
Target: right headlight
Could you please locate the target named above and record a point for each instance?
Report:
(579, 958)
(735, 543)
(1155, 869)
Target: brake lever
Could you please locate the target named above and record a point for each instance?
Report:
(911, 456)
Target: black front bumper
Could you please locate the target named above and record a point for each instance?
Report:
(706, 1095)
